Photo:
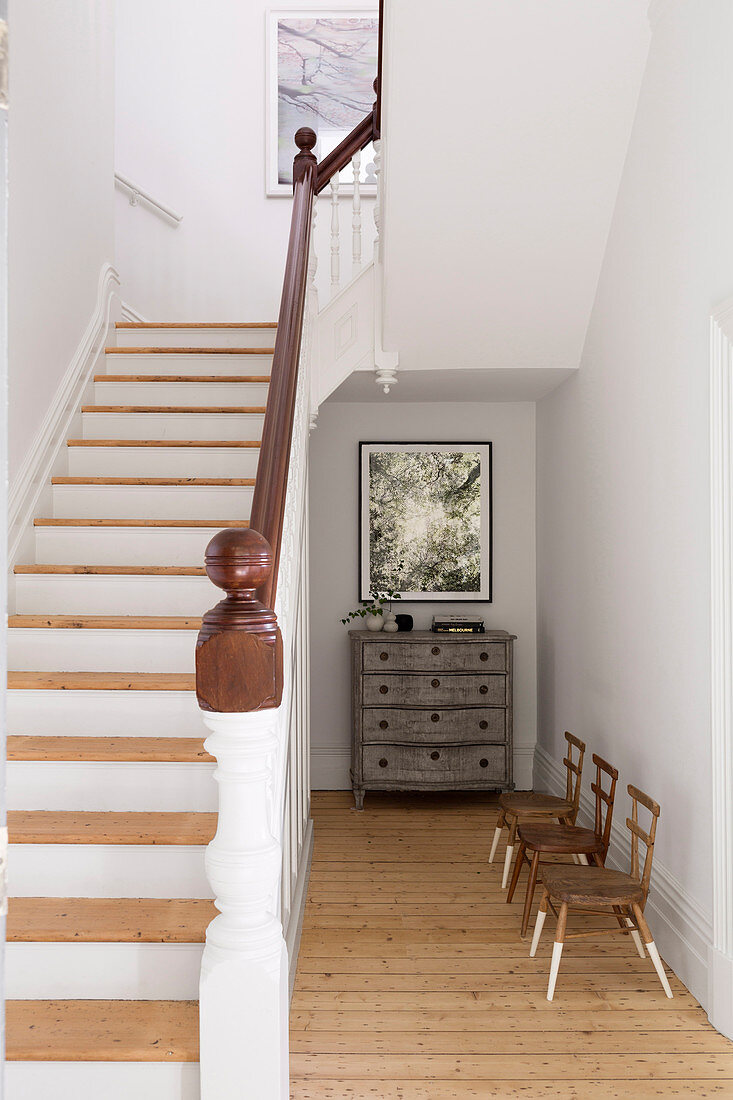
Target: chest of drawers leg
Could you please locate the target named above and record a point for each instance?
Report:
(431, 712)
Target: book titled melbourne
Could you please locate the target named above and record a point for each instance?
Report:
(457, 624)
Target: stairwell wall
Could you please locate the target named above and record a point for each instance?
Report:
(60, 211)
(334, 533)
(623, 474)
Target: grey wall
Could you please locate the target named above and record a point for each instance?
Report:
(334, 526)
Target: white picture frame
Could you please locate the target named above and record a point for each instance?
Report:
(480, 526)
(278, 156)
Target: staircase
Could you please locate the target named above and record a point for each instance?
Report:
(111, 792)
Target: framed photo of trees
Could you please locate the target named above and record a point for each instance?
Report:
(425, 520)
(321, 65)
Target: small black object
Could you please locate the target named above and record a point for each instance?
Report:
(404, 622)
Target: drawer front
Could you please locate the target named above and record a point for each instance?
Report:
(441, 690)
(447, 765)
(437, 655)
(431, 726)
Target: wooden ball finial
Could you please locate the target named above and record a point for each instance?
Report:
(305, 139)
(238, 560)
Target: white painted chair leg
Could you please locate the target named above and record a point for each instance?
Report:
(576, 858)
(654, 956)
(539, 923)
(507, 865)
(495, 843)
(554, 967)
(582, 859)
(636, 938)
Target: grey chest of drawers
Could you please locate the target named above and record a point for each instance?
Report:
(431, 711)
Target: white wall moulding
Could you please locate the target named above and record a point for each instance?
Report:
(36, 468)
(682, 929)
(720, 959)
(137, 193)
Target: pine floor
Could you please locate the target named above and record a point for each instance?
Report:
(413, 983)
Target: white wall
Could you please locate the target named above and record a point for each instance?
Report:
(60, 209)
(334, 525)
(622, 460)
(190, 130)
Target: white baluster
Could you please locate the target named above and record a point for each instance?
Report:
(244, 971)
(378, 197)
(356, 216)
(335, 243)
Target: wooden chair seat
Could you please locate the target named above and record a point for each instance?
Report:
(560, 839)
(590, 886)
(527, 803)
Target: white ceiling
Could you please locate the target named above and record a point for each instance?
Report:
(506, 126)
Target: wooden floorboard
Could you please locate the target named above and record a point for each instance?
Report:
(413, 982)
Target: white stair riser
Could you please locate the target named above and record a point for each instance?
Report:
(180, 393)
(163, 462)
(98, 425)
(177, 364)
(154, 501)
(100, 594)
(174, 546)
(102, 971)
(84, 650)
(104, 713)
(107, 871)
(261, 337)
(108, 1080)
(118, 785)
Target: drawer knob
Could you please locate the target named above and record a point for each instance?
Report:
(484, 656)
(483, 724)
(384, 656)
(434, 717)
(483, 689)
(383, 689)
(383, 762)
(484, 762)
(435, 650)
(435, 683)
(435, 755)
(383, 725)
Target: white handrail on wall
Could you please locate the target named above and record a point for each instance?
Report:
(137, 193)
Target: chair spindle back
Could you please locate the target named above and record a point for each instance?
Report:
(637, 834)
(604, 801)
(574, 771)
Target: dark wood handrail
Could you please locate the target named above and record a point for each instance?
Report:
(239, 663)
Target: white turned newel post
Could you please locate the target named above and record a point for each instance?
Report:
(356, 216)
(335, 229)
(377, 197)
(244, 972)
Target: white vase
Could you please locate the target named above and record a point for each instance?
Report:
(390, 627)
(374, 622)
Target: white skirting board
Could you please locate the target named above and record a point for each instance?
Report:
(97, 1080)
(331, 767)
(681, 928)
(297, 911)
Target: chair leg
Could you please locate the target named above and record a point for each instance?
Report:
(497, 833)
(541, 915)
(636, 938)
(509, 853)
(531, 883)
(518, 862)
(562, 921)
(651, 948)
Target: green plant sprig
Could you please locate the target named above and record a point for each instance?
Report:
(374, 605)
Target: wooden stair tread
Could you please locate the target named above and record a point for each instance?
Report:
(194, 409)
(152, 480)
(188, 351)
(142, 750)
(213, 523)
(110, 827)
(108, 920)
(240, 378)
(101, 681)
(122, 570)
(195, 324)
(162, 443)
(104, 622)
(102, 1031)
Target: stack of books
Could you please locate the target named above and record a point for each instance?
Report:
(458, 624)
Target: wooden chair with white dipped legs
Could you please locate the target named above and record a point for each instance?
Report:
(538, 840)
(516, 806)
(600, 890)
